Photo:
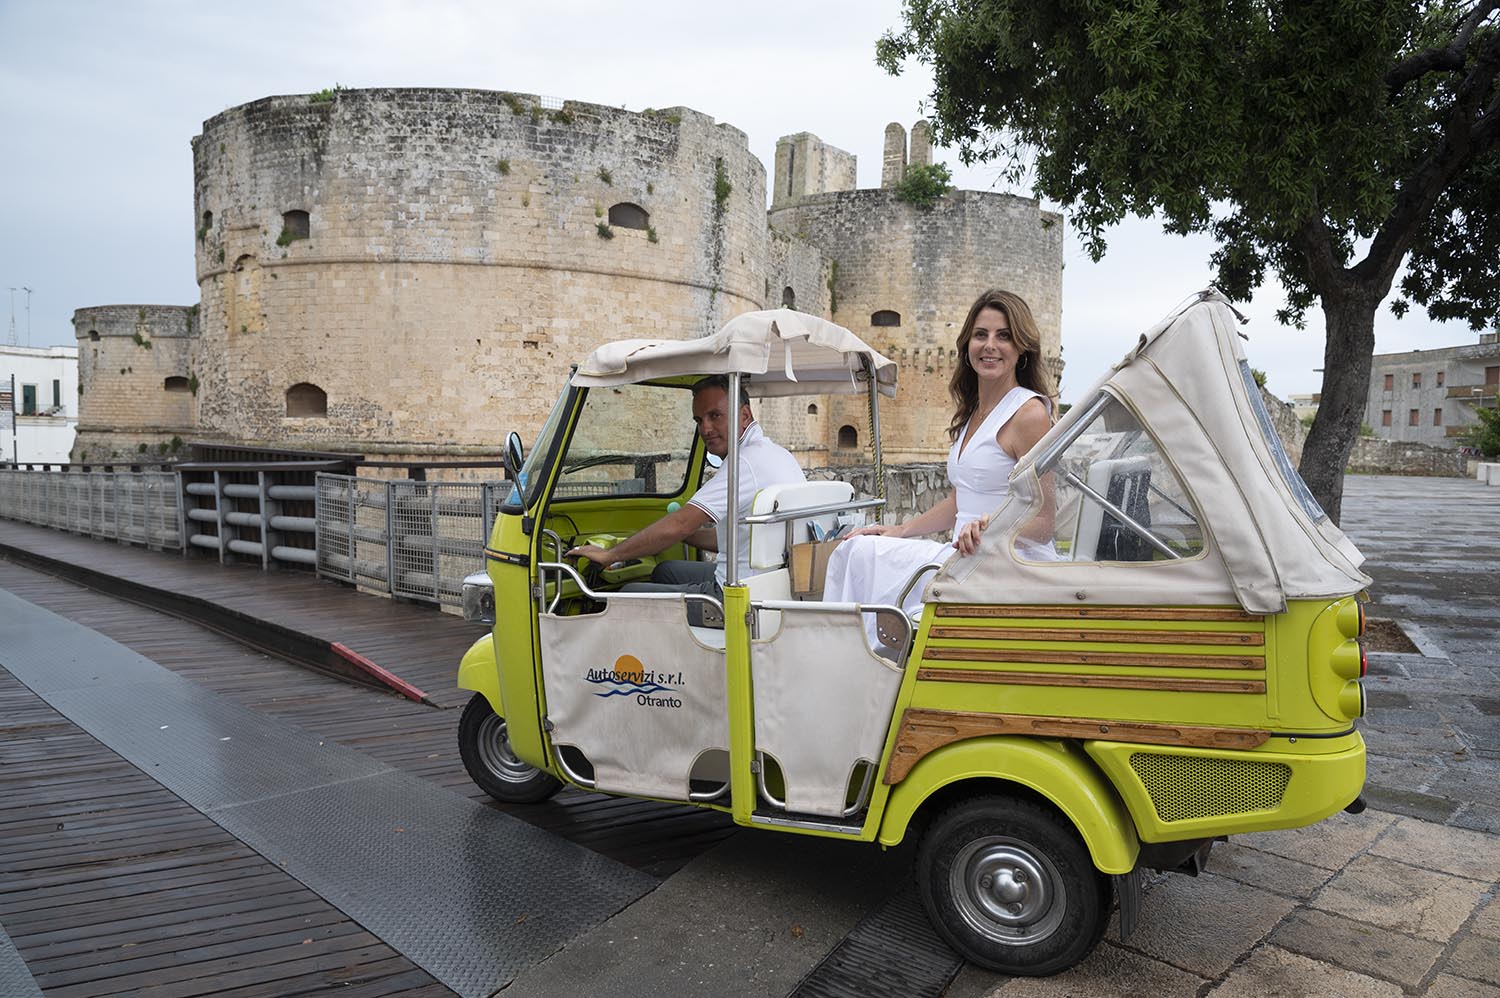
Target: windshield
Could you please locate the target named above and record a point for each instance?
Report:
(524, 490)
(634, 440)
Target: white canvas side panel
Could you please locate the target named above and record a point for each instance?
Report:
(823, 703)
(636, 693)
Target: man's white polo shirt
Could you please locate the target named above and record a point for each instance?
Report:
(762, 463)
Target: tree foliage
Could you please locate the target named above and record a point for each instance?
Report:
(1322, 142)
(1485, 436)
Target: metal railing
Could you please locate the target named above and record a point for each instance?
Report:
(136, 507)
(416, 540)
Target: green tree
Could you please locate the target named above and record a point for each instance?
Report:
(1485, 436)
(1326, 142)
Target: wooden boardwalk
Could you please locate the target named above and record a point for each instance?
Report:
(106, 879)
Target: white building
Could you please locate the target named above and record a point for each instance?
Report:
(38, 423)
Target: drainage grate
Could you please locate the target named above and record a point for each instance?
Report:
(894, 951)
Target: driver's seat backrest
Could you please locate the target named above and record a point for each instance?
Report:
(1104, 477)
(768, 549)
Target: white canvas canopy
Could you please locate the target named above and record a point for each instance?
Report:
(786, 352)
(1263, 539)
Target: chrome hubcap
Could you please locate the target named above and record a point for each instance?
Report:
(495, 753)
(1007, 892)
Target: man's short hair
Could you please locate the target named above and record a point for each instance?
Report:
(721, 382)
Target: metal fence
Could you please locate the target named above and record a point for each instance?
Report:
(411, 539)
(139, 507)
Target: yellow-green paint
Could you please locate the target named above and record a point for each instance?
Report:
(477, 671)
(742, 788)
(1322, 783)
(1057, 770)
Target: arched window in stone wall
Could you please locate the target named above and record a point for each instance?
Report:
(295, 224)
(848, 437)
(812, 409)
(306, 400)
(788, 298)
(208, 221)
(94, 335)
(176, 383)
(885, 317)
(629, 216)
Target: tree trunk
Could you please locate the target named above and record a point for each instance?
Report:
(1350, 342)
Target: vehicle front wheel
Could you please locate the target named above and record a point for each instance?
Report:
(1011, 886)
(487, 755)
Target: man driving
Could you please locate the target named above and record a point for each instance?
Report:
(701, 522)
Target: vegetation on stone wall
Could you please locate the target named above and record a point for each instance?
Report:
(605, 232)
(327, 94)
(833, 290)
(503, 166)
(606, 176)
(923, 185)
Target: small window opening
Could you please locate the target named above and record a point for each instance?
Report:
(629, 216)
(295, 224)
(208, 220)
(1437, 417)
(176, 383)
(812, 409)
(94, 335)
(1441, 377)
(788, 298)
(306, 400)
(848, 437)
(1390, 382)
(1416, 379)
(1414, 417)
(885, 317)
(1385, 417)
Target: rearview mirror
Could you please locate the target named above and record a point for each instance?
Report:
(515, 455)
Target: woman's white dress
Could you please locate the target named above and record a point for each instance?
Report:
(873, 568)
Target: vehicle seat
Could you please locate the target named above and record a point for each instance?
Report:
(769, 549)
(1097, 534)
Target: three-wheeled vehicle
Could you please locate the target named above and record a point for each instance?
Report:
(1179, 663)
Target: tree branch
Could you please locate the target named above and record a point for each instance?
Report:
(1468, 132)
(1450, 57)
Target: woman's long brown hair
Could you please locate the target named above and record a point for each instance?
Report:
(1030, 372)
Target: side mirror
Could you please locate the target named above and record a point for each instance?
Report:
(515, 456)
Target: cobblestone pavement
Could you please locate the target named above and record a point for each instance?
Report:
(1400, 900)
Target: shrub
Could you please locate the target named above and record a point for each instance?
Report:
(1485, 436)
(923, 185)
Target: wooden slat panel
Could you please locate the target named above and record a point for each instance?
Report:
(922, 731)
(1172, 684)
(1125, 658)
(1237, 638)
(1095, 612)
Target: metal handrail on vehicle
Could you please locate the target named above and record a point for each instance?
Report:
(791, 516)
(558, 566)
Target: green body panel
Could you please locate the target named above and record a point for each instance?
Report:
(477, 671)
(742, 790)
(516, 643)
(1058, 771)
(1301, 683)
(1318, 785)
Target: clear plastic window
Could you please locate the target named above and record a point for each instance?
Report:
(1116, 498)
(630, 441)
(1289, 474)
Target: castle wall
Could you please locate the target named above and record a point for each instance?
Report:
(126, 353)
(455, 262)
(805, 164)
(928, 266)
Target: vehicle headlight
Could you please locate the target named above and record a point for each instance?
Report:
(479, 599)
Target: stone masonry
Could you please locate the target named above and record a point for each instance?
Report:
(426, 263)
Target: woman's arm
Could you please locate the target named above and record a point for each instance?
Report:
(1019, 434)
(940, 518)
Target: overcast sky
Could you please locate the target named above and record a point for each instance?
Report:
(99, 100)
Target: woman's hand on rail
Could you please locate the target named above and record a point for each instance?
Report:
(967, 540)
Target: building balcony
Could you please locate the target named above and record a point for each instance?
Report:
(1478, 394)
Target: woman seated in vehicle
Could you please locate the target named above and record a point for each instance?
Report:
(1002, 394)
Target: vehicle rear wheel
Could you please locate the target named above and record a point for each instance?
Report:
(1011, 886)
(487, 755)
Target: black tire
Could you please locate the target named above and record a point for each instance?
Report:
(1011, 886)
(492, 765)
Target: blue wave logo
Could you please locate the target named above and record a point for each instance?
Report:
(627, 678)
